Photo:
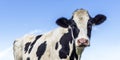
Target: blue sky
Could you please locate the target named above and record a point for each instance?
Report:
(20, 17)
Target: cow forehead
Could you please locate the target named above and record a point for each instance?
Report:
(80, 11)
(81, 17)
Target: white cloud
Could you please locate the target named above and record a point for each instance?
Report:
(6, 54)
(37, 31)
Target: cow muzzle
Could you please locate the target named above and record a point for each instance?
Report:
(83, 42)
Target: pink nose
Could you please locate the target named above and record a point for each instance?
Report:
(83, 42)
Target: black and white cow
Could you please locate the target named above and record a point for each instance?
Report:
(64, 43)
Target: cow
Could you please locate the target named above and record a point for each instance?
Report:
(67, 42)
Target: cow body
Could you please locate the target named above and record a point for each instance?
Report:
(64, 43)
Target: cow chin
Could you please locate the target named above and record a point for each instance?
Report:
(79, 50)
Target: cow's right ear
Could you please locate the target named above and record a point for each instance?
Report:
(63, 22)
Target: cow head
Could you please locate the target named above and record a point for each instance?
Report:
(81, 25)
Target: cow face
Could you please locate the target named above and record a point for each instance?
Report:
(81, 26)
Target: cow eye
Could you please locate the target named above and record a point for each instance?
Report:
(75, 31)
(74, 26)
(89, 22)
(89, 26)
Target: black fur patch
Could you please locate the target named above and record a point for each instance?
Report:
(74, 54)
(67, 38)
(64, 41)
(27, 46)
(41, 49)
(98, 19)
(14, 42)
(63, 22)
(74, 28)
(56, 46)
(89, 28)
(32, 44)
(28, 58)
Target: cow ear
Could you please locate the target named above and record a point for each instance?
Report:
(63, 22)
(98, 19)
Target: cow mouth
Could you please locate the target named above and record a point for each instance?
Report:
(83, 45)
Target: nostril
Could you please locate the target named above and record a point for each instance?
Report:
(78, 41)
(86, 41)
(82, 40)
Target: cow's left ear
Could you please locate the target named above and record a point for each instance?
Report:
(98, 19)
(63, 22)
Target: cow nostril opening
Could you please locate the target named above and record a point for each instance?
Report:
(82, 40)
(86, 41)
(78, 41)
